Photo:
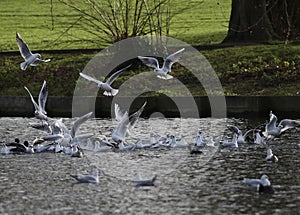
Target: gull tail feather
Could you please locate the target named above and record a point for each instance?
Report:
(23, 65)
(106, 93)
(114, 92)
(167, 77)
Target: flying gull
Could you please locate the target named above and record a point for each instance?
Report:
(168, 62)
(30, 59)
(106, 86)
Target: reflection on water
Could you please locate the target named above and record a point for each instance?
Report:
(208, 183)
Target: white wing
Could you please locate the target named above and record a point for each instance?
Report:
(43, 98)
(173, 58)
(32, 100)
(234, 129)
(127, 122)
(59, 127)
(118, 112)
(122, 126)
(89, 78)
(23, 47)
(272, 124)
(78, 122)
(149, 61)
(133, 118)
(52, 137)
(114, 76)
(288, 123)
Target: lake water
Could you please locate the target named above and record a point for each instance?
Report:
(209, 183)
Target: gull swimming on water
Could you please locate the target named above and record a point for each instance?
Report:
(106, 86)
(30, 59)
(272, 130)
(271, 156)
(168, 62)
(122, 147)
(201, 142)
(93, 178)
(40, 111)
(175, 144)
(241, 138)
(261, 185)
(22, 147)
(4, 149)
(231, 144)
(142, 181)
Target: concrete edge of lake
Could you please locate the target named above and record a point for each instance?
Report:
(236, 106)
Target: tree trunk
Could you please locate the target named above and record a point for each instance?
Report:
(249, 22)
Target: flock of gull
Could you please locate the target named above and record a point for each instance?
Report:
(60, 139)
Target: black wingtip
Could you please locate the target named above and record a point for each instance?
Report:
(18, 36)
(74, 176)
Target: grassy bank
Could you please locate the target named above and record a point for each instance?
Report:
(248, 70)
(45, 27)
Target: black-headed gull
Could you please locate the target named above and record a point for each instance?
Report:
(142, 181)
(41, 125)
(260, 139)
(4, 149)
(271, 156)
(125, 124)
(40, 111)
(168, 62)
(272, 131)
(175, 144)
(69, 138)
(93, 178)
(231, 144)
(30, 59)
(122, 147)
(200, 141)
(242, 138)
(261, 185)
(22, 147)
(106, 86)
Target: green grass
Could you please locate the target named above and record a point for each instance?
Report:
(205, 21)
(249, 70)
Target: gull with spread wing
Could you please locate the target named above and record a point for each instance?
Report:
(40, 112)
(106, 86)
(66, 137)
(30, 59)
(125, 124)
(168, 62)
(242, 138)
(272, 130)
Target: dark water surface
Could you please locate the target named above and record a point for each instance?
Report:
(186, 184)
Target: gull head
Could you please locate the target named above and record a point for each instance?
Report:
(265, 180)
